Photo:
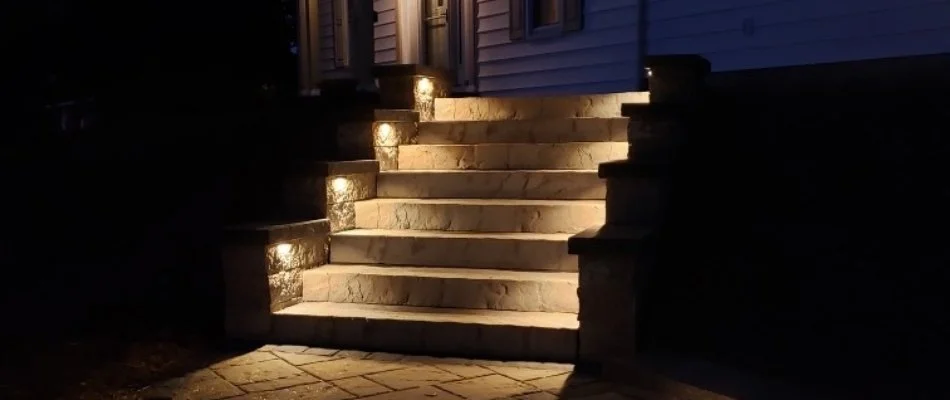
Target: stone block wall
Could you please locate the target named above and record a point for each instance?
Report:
(263, 266)
(411, 87)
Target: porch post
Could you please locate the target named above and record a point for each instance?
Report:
(308, 45)
(361, 44)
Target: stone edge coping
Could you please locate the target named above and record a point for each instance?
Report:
(608, 238)
(269, 233)
(400, 70)
(395, 115)
(633, 169)
(701, 380)
(331, 168)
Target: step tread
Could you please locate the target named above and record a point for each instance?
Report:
(456, 235)
(434, 315)
(487, 202)
(489, 171)
(447, 273)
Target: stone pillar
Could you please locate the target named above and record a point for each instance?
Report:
(615, 259)
(362, 44)
(263, 266)
(412, 87)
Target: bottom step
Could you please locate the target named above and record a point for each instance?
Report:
(514, 335)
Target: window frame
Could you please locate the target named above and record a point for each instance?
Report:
(544, 31)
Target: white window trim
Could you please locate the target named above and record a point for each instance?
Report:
(546, 31)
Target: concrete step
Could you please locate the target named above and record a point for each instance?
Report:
(519, 251)
(510, 184)
(480, 215)
(537, 107)
(511, 335)
(553, 130)
(510, 156)
(486, 289)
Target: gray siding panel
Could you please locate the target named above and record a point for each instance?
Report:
(385, 32)
(601, 58)
(325, 15)
(799, 32)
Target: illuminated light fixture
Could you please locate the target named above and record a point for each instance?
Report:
(339, 185)
(424, 86)
(384, 134)
(284, 249)
(649, 72)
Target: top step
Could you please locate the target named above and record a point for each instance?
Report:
(502, 108)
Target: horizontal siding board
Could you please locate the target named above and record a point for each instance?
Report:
(385, 32)
(799, 32)
(600, 58)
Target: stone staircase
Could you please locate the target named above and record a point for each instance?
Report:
(464, 249)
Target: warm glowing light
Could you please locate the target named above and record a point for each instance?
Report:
(424, 86)
(384, 134)
(649, 73)
(340, 184)
(284, 249)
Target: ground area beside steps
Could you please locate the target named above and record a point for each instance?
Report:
(298, 372)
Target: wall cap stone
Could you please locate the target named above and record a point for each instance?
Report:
(608, 239)
(275, 232)
(625, 169)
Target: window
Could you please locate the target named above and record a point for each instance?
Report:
(544, 18)
(545, 13)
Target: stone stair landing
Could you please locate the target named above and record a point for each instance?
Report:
(464, 249)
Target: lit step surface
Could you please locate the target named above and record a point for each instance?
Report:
(519, 251)
(555, 130)
(443, 287)
(513, 184)
(485, 108)
(510, 156)
(480, 215)
(515, 335)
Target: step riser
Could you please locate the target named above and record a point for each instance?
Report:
(504, 108)
(434, 339)
(493, 185)
(510, 156)
(479, 218)
(524, 131)
(524, 254)
(495, 294)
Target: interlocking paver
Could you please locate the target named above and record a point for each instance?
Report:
(321, 351)
(413, 377)
(524, 374)
(352, 354)
(280, 383)
(315, 391)
(199, 385)
(291, 349)
(487, 387)
(263, 371)
(385, 356)
(427, 392)
(348, 367)
(303, 358)
(245, 359)
(556, 383)
(536, 396)
(361, 386)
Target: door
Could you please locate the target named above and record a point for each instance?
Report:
(438, 48)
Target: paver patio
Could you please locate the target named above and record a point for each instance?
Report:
(297, 373)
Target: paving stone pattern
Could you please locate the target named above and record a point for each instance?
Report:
(297, 373)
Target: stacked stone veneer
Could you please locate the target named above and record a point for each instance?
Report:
(462, 247)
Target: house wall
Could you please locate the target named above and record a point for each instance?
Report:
(327, 40)
(385, 32)
(601, 58)
(750, 34)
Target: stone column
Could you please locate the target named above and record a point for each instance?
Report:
(411, 87)
(615, 259)
(362, 46)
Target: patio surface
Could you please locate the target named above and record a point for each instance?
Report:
(298, 372)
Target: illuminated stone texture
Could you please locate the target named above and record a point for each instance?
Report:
(543, 336)
(263, 266)
(344, 188)
(520, 251)
(487, 108)
(554, 130)
(560, 185)
(479, 215)
(425, 92)
(394, 133)
(443, 287)
(388, 158)
(510, 156)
